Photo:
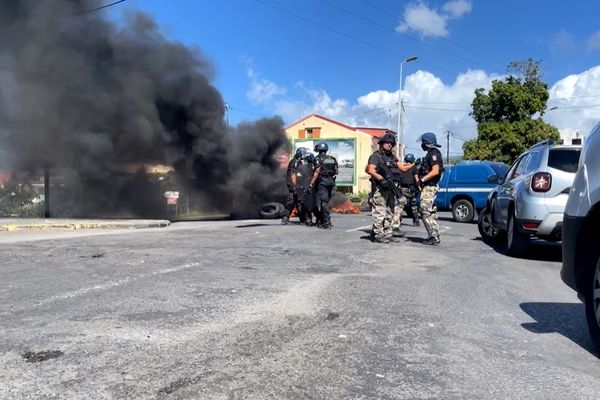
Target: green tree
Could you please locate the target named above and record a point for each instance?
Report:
(509, 117)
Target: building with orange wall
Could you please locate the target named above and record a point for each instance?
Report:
(351, 145)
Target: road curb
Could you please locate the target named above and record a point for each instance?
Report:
(72, 226)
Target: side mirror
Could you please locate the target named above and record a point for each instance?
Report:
(493, 179)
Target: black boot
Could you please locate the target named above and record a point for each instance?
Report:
(432, 241)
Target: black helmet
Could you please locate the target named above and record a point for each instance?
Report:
(409, 158)
(388, 138)
(310, 157)
(301, 152)
(429, 139)
(321, 147)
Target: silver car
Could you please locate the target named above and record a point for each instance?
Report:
(581, 237)
(530, 200)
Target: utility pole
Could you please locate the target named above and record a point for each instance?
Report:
(448, 133)
(400, 145)
(46, 192)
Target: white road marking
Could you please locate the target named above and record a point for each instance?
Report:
(359, 228)
(112, 284)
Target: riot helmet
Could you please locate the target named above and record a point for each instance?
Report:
(388, 138)
(301, 152)
(310, 157)
(429, 140)
(321, 147)
(409, 158)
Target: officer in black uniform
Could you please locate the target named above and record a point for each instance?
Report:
(292, 200)
(409, 190)
(433, 166)
(304, 174)
(326, 169)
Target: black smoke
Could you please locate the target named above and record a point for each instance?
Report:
(88, 97)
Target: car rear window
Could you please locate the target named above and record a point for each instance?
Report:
(500, 169)
(564, 159)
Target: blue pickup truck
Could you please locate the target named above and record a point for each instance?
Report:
(464, 187)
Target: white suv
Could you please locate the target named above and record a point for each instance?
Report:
(581, 234)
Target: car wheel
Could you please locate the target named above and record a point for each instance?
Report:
(516, 241)
(592, 307)
(487, 230)
(463, 211)
(271, 210)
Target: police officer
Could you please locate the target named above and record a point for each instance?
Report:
(304, 174)
(326, 169)
(408, 188)
(292, 200)
(433, 166)
(383, 166)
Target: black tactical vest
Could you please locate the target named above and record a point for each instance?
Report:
(328, 166)
(388, 167)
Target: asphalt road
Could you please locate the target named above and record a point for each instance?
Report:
(256, 310)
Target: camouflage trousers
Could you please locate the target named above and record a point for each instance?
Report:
(408, 196)
(429, 210)
(382, 213)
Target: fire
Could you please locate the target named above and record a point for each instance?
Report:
(345, 207)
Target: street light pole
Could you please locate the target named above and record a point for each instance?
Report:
(400, 146)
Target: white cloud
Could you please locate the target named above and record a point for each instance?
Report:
(436, 106)
(576, 98)
(593, 42)
(562, 43)
(430, 105)
(428, 21)
(457, 8)
(261, 90)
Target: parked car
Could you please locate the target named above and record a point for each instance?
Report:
(581, 234)
(464, 187)
(530, 200)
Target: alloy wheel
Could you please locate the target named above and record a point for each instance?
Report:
(486, 225)
(462, 211)
(596, 293)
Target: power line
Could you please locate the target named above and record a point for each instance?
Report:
(356, 39)
(114, 3)
(403, 34)
(425, 30)
(437, 109)
(573, 107)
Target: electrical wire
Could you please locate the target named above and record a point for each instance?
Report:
(114, 3)
(356, 39)
(403, 34)
(432, 33)
(438, 109)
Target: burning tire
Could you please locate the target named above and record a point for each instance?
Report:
(271, 210)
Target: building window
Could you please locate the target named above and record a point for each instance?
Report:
(308, 132)
(576, 141)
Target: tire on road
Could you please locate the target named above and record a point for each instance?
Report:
(463, 211)
(488, 232)
(517, 242)
(592, 304)
(271, 210)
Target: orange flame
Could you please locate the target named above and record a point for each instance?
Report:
(345, 207)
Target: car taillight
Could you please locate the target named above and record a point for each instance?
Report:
(541, 182)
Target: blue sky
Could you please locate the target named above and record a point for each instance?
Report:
(341, 58)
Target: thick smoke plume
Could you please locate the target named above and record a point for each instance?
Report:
(88, 98)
